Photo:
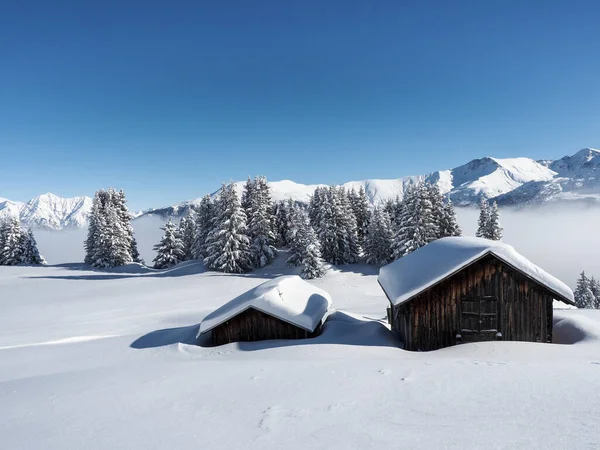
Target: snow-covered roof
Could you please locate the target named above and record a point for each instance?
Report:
(288, 298)
(427, 266)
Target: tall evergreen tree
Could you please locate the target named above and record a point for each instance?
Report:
(280, 223)
(110, 241)
(494, 231)
(29, 250)
(416, 224)
(258, 212)
(170, 250)
(584, 296)
(360, 207)
(448, 224)
(228, 244)
(379, 238)
(484, 218)
(205, 218)
(11, 251)
(304, 245)
(187, 234)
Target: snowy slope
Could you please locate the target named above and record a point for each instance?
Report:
(105, 361)
(49, 211)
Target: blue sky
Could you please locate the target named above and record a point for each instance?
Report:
(169, 99)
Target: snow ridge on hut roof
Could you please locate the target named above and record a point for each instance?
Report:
(288, 298)
(409, 276)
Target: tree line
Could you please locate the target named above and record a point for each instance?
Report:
(337, 226)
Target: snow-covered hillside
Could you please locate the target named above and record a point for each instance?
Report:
(50, 212)
(107, 360)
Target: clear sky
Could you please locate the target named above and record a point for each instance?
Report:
(167, 99)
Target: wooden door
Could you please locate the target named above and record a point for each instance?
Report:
(479, 318)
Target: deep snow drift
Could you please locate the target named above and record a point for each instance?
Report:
(102, 360)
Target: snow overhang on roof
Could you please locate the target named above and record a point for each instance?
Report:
(288, 298)
(418, 271)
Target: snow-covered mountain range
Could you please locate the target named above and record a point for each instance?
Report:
(510, 181)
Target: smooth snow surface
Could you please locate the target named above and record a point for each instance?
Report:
(288, 298)
(145, 385)
(423, 268)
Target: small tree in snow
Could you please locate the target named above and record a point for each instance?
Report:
(448, 222)
(595, 288)
(304, 245)
(170, 250)
(257, 201)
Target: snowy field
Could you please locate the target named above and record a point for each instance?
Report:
(106, 360)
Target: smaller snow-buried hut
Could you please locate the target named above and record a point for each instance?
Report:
(469, 289)
(286, 307)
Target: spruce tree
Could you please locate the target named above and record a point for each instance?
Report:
(484, 218)
(360, 208)
(432, 192)
(11, 251)
(494, 231)
(295, 232)
(584, 296)
(228, 244)
(280, 223)
(379, 238)
(205, 218)
(187, 234)
(29, 251)
(170, 250)
(416, 225)
(258, 212)
(595, 288)
(448, 224)
(304, 245)
(120, 203)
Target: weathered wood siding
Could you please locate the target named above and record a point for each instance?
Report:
(254, 325)
(432, 319)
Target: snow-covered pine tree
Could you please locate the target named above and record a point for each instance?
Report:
(484, 218)
(417, 226)
(584, 297)
(29, 251)
(120, 203)
(494, 231)
(314, 206)
(312, 262)
(228, 244)
(205, 218)
(187, 234)
(448, 224)
(110, 241)
(248, 193)
(304, 245)
(294, 233)
(595, 288)
(11, 251)
(347, 228)
(433, 193)
(379, 238)
(360, 208)
(280, 223)
(258, 213)
(170, 249)
(3, 233)
(327, 227)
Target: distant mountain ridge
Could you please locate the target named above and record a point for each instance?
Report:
(514, 182)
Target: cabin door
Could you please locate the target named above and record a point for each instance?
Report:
(479, 319)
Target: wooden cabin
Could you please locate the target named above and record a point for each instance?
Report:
(460, 289)
(286, 307)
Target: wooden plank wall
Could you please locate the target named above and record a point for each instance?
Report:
(254, 325)
(432, 319)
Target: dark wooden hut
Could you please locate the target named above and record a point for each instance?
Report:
(283, 308)
(469, 289)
